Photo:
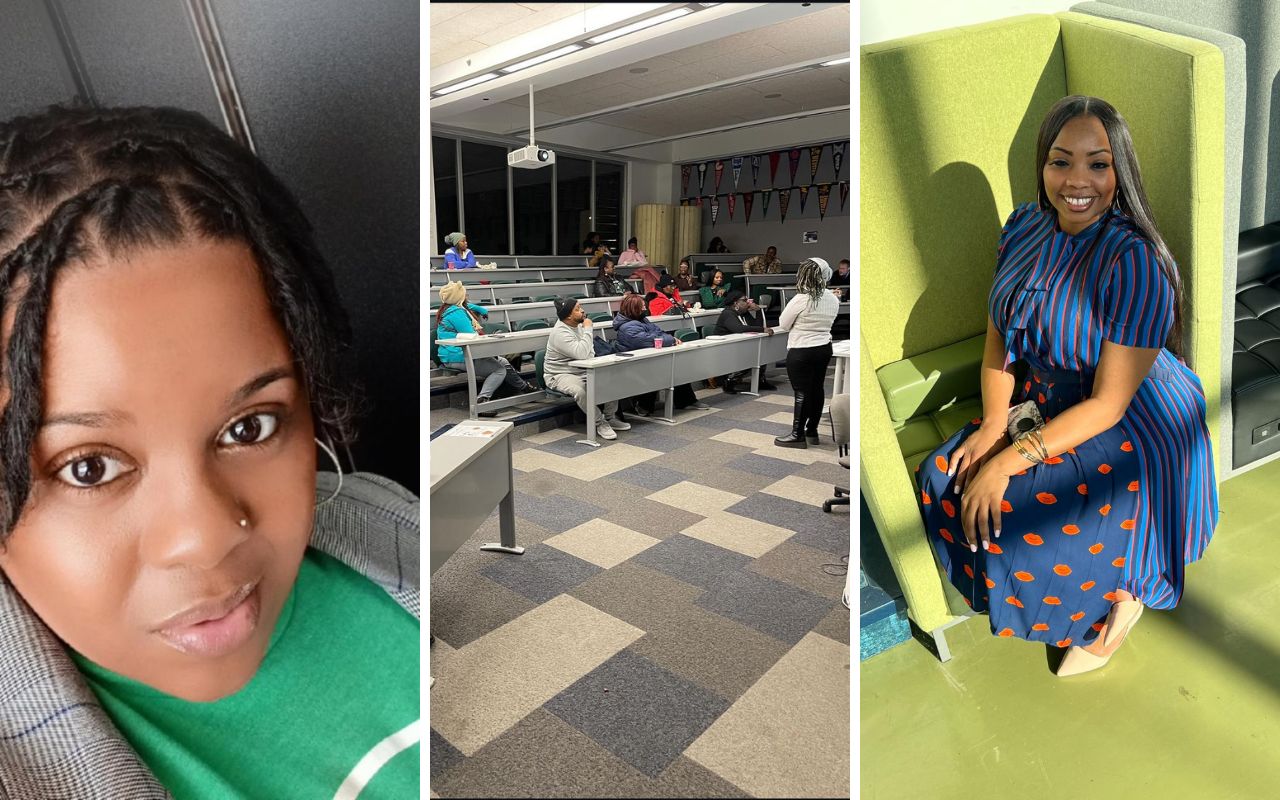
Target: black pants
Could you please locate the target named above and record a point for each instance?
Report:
(807, 371)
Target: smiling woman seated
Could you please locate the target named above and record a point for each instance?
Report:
(182, 606)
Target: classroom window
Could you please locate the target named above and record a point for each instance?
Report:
(484, 197)
(444, 163)
(573, 203)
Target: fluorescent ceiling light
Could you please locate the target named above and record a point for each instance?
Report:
(675, 13)
(844, 60)
(529, 62)
(488, 76)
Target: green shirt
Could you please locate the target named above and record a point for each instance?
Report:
(340, 676)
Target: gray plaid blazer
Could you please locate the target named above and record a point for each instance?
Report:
(56, 741)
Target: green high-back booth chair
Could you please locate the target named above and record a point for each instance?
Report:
(948, 129)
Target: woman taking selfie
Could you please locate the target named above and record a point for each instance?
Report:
(173, 566)
(1108, 491)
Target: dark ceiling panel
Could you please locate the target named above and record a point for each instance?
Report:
(35, 72)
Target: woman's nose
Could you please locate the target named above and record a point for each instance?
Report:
(194, 523)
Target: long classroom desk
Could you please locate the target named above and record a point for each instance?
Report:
(495, 294)
(614, 377)
(513, 313)
(510, 274)
(500, 344)
(471, 472)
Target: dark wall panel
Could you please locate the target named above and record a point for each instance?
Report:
(330, 90)
(35, 74)
(141, 53)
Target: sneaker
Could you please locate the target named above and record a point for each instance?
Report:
(640, 412)
(701, 406)
(604, 431)
(617, 424)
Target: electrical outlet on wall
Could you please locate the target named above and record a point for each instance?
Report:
(1266, 432)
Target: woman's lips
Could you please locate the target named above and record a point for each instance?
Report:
(1074, 206)
(220, 635)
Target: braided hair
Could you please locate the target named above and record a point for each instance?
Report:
(809, 280)
(78, 182)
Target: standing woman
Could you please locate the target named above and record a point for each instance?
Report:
(456, 316)
(807, 320)
(1109, 500)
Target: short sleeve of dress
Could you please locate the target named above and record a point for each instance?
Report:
(1137, 304)
(1010, 226)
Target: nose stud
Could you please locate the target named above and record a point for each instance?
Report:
(244, 523)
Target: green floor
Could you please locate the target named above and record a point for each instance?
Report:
(1188, 708)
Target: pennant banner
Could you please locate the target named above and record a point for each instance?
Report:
(773, 167)
(844, 194)
(685, 172)
(755, 170)
(795, 162)
(719, 173)
(824, 197)
(733, 201)
(747, 199)
(815, 155)
(715, 209)
(804, 195)
(837, 157)
(737, 170)
(784, 200)
(764, 202)
(702, 177)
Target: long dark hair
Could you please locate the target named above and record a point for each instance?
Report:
(1130, 198)
(75, 182)
(604, 262)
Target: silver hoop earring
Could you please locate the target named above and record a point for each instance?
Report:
(334, 457)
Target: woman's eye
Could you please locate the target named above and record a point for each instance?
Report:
(96, 470)
(1101, 165)
(250, 430)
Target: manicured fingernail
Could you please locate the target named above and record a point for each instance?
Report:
(985, 545)
(997, 533)
(973, 547)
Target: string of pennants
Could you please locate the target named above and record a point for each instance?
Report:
(784, 200)
(736, 164)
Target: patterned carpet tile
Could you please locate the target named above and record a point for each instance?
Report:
(788, 735)
(485, 687)
(739, 534)
(555, 512)
(717, 653)
(801, 490)
(692, 561)
(813, 526)
(695, 497)
(543, 756)
(443, 755)
(467, 607)
(649, 517)
(728, 479)
(763, 465)
(803, 567)
(638, 595)
(541, 573)
(835, 625)
(702, 459)
(602, 543)
(652, 476)
(775, 608)
(638, 711)
(655, 436)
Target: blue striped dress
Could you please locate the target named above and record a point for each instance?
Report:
(1129, 508)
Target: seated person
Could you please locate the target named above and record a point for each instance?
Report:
(189, 608)
(458, 256)
(633, 255)
(592, 243)
(713, 295)
(570, 340)
(686, 281)
(454, 316)
(607, 283)
(742, 315)
(665, 300)
(839, 283)
(765, 264)
(717, 246)
(636, 333)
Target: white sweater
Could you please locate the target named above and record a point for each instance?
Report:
(565, 344)
(809, 325)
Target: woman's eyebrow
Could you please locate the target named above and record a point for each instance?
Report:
(87, 419)
(1090, 153)
(257, 384)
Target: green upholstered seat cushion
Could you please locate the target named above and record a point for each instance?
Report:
(928, 381)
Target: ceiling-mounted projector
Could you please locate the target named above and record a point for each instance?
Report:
(531, 157)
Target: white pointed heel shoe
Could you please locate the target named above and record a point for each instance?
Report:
(1124, 615)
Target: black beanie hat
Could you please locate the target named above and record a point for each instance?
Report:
(666, 280)
(733, 297)
(564, 307)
